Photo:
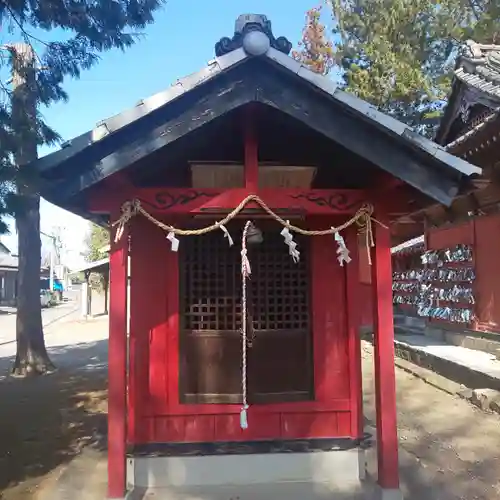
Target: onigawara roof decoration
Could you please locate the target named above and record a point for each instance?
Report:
(351, 139)
(245, 24)
(479, 67)
(475, 95)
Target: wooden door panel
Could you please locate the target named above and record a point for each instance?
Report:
(210, 367)
(280, 359)
(279, 367)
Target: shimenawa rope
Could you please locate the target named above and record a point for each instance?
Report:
(362, 218)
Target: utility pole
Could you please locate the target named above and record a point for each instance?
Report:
(53, 250)
(31, 356)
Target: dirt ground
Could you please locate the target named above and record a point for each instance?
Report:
(46, 421)
(449, 449)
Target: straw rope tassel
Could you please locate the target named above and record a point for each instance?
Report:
(245, 272)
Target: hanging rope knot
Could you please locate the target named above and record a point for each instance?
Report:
(365, 227)
(245, 264)
(129, 209)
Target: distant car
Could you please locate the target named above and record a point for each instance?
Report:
(45, 298)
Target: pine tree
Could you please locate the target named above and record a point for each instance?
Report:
(39, 64)
(399, 54)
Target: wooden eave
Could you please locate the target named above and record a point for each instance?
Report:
(234, 81)
(481, 144)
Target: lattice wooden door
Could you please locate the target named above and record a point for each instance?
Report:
(279, 357)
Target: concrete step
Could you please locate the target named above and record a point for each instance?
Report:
(408, 330)
(480, 341)
(416, 323)
(471, 340)
(472, 369)
(277, 491)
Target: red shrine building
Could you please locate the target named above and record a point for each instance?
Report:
(212, 386)
(469, 129)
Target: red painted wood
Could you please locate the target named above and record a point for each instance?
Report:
(366, 298)
(450, 236)
(177, 201)
(174, 408)
(172, 305)
(364, 268)
(262, 426)
(163, 418)
(331, 372)
(251, 166)
(385, 383)
(354, 304)
(344, 423)
(309, 425)
(202, 428)
(134, 377)
(148, 316)
(487, 285)
(117, 367)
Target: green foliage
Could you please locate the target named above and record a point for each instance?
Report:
(96, 240)
(69, 38)
(399, 54)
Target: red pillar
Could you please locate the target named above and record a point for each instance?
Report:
(353, 301)
(117, 367)
(251, 169)
(385, 380)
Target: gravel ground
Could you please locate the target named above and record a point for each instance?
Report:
(450, 450)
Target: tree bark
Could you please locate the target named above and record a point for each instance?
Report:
(31, 357)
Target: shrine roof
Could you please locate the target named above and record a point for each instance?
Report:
(476, 81)
(121, 140)
(413, 244)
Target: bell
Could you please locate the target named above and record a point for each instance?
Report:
(254, 235)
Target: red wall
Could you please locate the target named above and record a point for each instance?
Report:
(483, 234)
(365, 289)
(155, 412)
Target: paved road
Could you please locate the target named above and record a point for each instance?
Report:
(72, 342)
(66, 311)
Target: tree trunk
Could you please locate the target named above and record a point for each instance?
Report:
(31, 356)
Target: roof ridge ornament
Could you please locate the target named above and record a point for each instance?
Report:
(478, 51)
(254, 33)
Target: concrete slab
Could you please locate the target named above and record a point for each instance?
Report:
(478, 361)
(339, 467)
(277, 491)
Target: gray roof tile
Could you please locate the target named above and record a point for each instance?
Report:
(479, 66)
(9, 261)
(229, 60)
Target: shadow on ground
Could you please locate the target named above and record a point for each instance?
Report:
(46, 421)
(449, 450)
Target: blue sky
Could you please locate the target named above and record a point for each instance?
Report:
(180, 42)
